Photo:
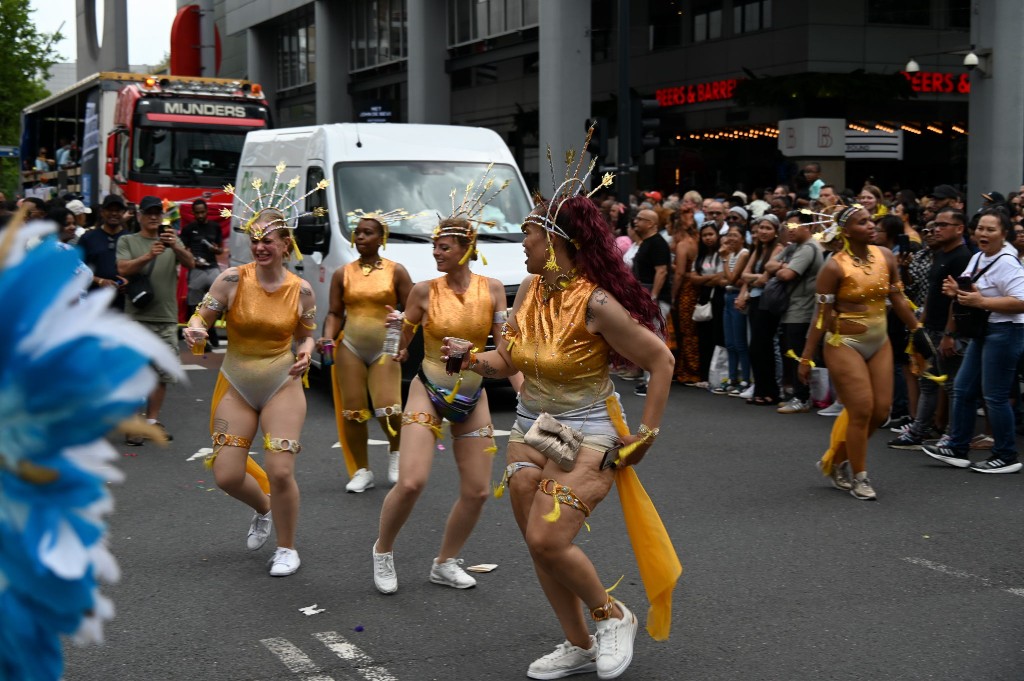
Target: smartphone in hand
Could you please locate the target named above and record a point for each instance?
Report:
(964, 283)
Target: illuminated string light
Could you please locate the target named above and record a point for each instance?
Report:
(957, 128)
(909, 129)
(936, 130)
(884, 128)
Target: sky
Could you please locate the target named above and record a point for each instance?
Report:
(149, 27)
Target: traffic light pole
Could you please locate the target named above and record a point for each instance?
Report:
(624, 177)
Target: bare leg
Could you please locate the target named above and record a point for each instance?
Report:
(283, 417)
(866, 393)
(235, 417)
(414, 471)
(385, 381)
(475, 466)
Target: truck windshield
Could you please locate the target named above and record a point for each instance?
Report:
(200, 158)
(425, 187)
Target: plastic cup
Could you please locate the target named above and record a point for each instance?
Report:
(457, 349)
(328, 352)
(199, 346)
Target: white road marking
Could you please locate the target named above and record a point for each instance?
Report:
(960, 574)
(201, 454)
(294, 659)
(193, 367)
(219, 351)
(346, 651)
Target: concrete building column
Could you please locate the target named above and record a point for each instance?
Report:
(106, 52)
(564, 77)
(429, 84)
(995, 149)
(262, 63)
(333, 103)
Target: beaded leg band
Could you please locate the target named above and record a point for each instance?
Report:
(484, 431)
(278, 444)
(386, 413)
(221, 440)
(511, 470)
(602, 612)
(357, 415)
(562, 494)
(422, 418)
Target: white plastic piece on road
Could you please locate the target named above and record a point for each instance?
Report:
(312, 610)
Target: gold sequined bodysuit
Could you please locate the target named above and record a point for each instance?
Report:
(866, 285)
(469, 316)
(565, 367)
(365, 297)
(260, 329)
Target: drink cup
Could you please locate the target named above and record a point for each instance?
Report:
(457, 349)
(199, 346)
(328, 352)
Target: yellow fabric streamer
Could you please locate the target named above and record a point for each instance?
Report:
(251, 467)
(801, 360)
(837, 440)
(555, 513)
(339, 407)
(450, 397)
(656, 558)
(499, 489)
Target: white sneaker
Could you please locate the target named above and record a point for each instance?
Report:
(360, 482)
(566, 660)
(384, 576)
(393, 467)
(862, 488)
(450, 573)
(748, 393)
(285, 562)
(259, 531)
(615, 644)
(833, 409)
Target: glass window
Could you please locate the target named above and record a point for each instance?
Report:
(707, 20)
(296, 49)
(473, 20)
(905, 12)
(959, 14)
(203, 157)
(425, 187)
(751, 16)
(666, 22)
(378, 32)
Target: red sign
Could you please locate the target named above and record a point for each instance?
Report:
(714, 91)
(185, 57)
(943, 83)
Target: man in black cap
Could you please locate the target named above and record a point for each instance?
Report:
(100, 247)
(994, 200)
(155, 252)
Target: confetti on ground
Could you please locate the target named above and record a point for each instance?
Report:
(129, 454)
(482, 567)
(358, 628)
(311, 610)
(440, 447)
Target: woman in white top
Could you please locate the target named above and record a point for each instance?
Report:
(706, 275)
(993, 283)
(734, 260)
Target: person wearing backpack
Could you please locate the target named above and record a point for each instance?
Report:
(988, 307)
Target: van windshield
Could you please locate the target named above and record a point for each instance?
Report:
(425, 187)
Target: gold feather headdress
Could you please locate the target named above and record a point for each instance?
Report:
(474, 199)
(571, 186)
(831, 224)
(280, 202)
(383, 218)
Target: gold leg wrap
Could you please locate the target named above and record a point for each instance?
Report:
(277, 444)
(484, 431)
(386, 413)
(221, 440)
(422, 418)
(358, 415)
(603, 612)
(562, 494)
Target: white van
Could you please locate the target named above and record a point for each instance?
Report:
(386, 166)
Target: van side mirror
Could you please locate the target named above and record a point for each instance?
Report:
(313, 233)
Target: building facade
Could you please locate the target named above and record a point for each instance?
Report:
(730, 78)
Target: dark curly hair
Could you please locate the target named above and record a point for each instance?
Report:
(598, 260)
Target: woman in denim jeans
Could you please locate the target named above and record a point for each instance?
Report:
(734, 260)
(998, 289)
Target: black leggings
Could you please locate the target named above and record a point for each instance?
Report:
(763, 328)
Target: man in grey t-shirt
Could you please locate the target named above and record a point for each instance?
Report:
(155, 251)
(802, 260)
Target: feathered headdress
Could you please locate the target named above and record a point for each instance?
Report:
(384, 218)
(572, 185)
(272, 200)
(830, 225)
(474, 199)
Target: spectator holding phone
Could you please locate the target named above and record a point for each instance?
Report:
(99, 246)
(155, 252)
(988, 306)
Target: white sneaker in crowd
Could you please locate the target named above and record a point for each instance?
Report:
(833, 409)
(259, 531)
(615, 643)
(284, 562)
(384, 576)
(360, 482)
(392, 467)
(566, 660)
(450, 573)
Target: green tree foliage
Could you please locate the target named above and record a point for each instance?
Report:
(27, 58)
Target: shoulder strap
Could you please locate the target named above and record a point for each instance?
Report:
(988, 266)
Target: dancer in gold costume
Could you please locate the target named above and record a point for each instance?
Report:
(852, 290)
(268, 309)
(579, 309)
(361, 294)
(468, 306)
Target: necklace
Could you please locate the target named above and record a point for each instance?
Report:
(864, 264)
(562, 282)
(368, 267)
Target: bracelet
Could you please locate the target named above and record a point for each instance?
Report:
(201, 321)
(473, 361)
(406, 322)
(647, 435)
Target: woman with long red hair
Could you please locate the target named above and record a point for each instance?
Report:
(580, 309)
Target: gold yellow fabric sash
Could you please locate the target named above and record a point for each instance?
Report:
(837, 440)
(339, 407)
(656, 558)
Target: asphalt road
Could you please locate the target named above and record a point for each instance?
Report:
(784, 577)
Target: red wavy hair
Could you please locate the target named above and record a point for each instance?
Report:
(598, 260)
